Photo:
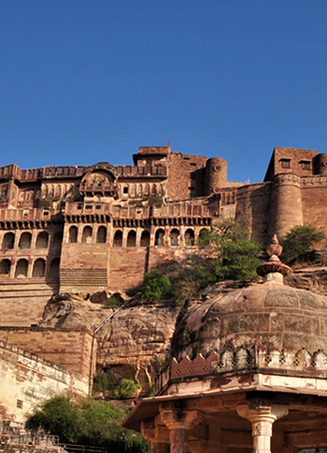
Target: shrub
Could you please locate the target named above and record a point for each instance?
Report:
(299, 241)
(156, 286)
(93, 422)
(101, 382)
(126, 388)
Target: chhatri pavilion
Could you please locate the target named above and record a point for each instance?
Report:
(247, 373)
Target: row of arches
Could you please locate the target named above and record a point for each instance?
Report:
(24, 240)
(23, 268)
(87, 235)
(173, 238)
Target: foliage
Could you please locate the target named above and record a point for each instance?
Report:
(126, 388)
(101, 382)
(238, 260)
(61, 416)
(156, 286)
(225, 253)
(235, 256)
(299, 241)
(93, 422)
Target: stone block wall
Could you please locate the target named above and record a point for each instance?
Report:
(26, 379)
(74, 349)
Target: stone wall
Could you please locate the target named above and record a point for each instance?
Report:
(74, 349)
(26, 379)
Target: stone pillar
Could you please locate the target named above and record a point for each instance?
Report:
(179, 423)
(262, 418)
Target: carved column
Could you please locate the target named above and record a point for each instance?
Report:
(262, 418)
(179, 423)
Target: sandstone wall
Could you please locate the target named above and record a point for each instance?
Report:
(26, 380)
(253, 208)
(22, 302)
(75, 349)
(181, 185)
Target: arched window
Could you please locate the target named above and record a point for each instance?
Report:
(42, 240)
(54, 269)
(102, 235)
(118, 239)
(203, 238)
(159, 237)
(174, 237)
(189, 238)
(21, 268)
(8, 241)
(39, 268)
(25, 241)
(87, 235)
(57, 239)
(5, 266)
(73, 232)
(131, 239)
(145, 239)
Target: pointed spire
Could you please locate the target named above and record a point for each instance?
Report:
(274, 265)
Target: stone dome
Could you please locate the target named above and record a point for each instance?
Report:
(270, 315)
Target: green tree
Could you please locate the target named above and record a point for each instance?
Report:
(156, 286)
(60, 416)
(93, 422)
(299, 241)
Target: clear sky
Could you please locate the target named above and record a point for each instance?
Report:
(83, 81)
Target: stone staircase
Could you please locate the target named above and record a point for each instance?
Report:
(71, 279)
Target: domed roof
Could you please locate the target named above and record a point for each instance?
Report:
(269, 315)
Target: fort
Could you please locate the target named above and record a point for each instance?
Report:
(85, 229)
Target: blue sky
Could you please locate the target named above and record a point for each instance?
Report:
(83, 81)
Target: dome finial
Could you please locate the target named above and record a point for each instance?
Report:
(274, 265)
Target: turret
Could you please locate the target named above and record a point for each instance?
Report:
(285, 204)
(215, 175)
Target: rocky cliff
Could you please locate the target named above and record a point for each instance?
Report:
(133, 338)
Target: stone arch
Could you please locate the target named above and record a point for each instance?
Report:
(21, 268)
(42, 240)
(87, 235)
(159, 237)
(25, 240)
(189, 238)
(73, 234)
(54, 269)
(102, 234)
(5, 266)
(174, 237)
(145, 239)
(118, 239)
(39, 268)
(204, 236)
(131, 239)
(8, 241)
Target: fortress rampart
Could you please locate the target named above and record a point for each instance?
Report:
(85, 228)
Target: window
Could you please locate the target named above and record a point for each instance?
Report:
(305, 164)
(73, 231)
(174, 237)
(285, 163)
(118, 239)
(20, 404)
(87, 235)
(159, 237)
(145, 239)
(5, 266)
(8, 241)
(102, 235)
(189, 238)
(42, 240)
(131, 239)
(25, 241)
